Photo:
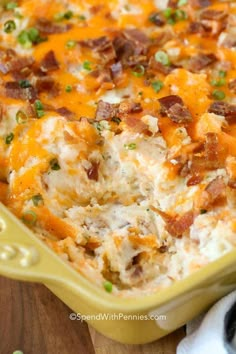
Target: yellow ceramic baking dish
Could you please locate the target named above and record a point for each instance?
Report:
(23, 256)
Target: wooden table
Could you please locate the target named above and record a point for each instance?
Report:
(33, 320)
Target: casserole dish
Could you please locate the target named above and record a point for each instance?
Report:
(25, 257)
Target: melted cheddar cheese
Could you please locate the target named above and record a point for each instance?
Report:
(118, 134)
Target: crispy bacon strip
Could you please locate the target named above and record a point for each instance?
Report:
(92, 172)
(201, 61)
(214, 191)
(14, 90)
(105, 111)
(9, 62)
(223, 109)
(199, 3)
(49, 62)
(47, 27)
(210, 14)
(173, 106)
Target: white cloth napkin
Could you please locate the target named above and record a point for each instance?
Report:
(214, 332)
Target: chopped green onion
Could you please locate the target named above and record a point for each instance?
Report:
(18, 15)
(87, 65)
(70, 44)
(55, 165)
(218, 83)
(29, 217)
(168, 12)
(38, 105)
(9, 138)
(107, 286)
(218, 95)
(157, 85)
(68, 15)
(222, 73)
(68, 88)
(182, 2)
(21, 117)
(28, 37)
(171, 21)
(37, 200)
(138, 71)
(131, 146)
(162, 58)
(64, 15)
(180, 15)
(9, 26)
(11, 5)
(39, 108)
(82, 17)
(203, 211)
(24, 83)
(116, 120)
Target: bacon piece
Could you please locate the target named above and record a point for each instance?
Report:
(168, 101)
(105, 111)
(232, 85)
(92, 172)
(9, 62)
(65, 112)
(214, 191)
(49, 62)
(212, 150)
(103, 46)
(126, 107)
(159, 67)
(45, 83)
(200, 61)
(172, 4)
(14, 90)
(173, 106)
(131, 47)
(223, 109)
(47, 27)
(135, 123)
(194, 180)
(179, 114)
(210, 14)
(199, 27)
(199, 3)
(137, 36)
(177, 226)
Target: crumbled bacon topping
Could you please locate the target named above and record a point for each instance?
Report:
(223, 109)
(201, 61)
(173, 106)
(47, 27)
(49, 62)
(214, 191)
(14, 90)
(178, 225)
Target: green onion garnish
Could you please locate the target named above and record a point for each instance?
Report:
(55, 165)
(203, 211)
(11, 5)
(24, 83)
(157, 85)
(108, 286)
(64, 15)
(29, 37)
(68, 88)
(168, 12)
(9, 138)
(218, 95)
(131, 146)
(218, 83)
(116, 120)
(82, 17)
(70, 44)
(87, 65)
(21, 117)
(39, 108)
(222, 73)
(180, 15)
(182, 2)
(9, 26)
(138, 71)
(162, 58)
(37, 200)
(29, 217)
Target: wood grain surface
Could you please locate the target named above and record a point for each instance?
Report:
(33, 320)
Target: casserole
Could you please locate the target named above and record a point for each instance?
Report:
(117, 148)
(25, 257)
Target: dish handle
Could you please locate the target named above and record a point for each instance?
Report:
(25, 257)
